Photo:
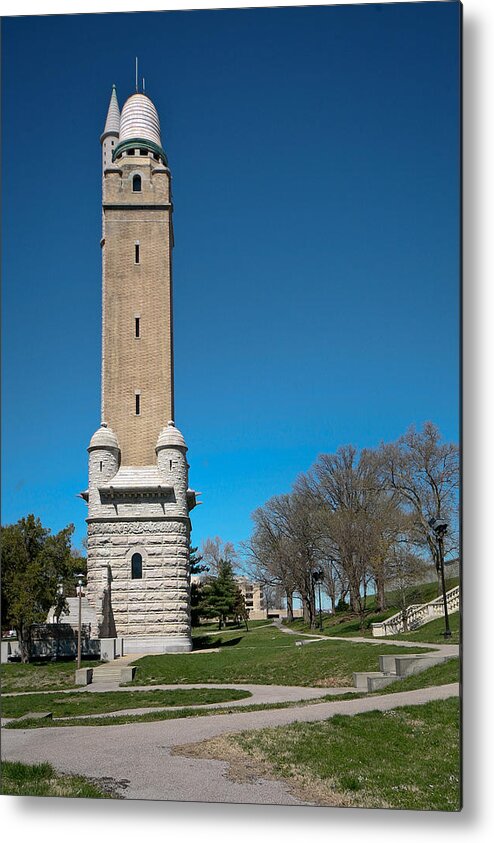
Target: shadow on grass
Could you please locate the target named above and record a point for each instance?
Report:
(206, 642)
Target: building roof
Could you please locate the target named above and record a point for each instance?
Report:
(112, 125)
(170, 437)
(103, 438)
(139, 120)
(132, 479)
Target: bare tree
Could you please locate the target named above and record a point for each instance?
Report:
(405, 570)
(360, 520)
(269, 551)
(424, 472)
(214, 551)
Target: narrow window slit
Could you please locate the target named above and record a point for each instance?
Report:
(138, 404)
(136, 564)
(137, 254)
(137, 327)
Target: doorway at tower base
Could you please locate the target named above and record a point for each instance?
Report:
(156, 644)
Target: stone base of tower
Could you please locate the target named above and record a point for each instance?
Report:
(156, 644)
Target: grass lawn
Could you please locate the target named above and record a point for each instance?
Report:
(264, 655)
(205, 628)
(39, 676)
(42, 780)
(439, 675)
(83, 702)
(404, 758)
(433, 632)
(348, 624)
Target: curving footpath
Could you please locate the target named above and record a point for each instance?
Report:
(138, 757)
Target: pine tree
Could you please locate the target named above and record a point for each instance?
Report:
(220, 595)
(196, 587)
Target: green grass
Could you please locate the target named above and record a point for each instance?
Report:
(404, 758)
(440, 674)
(213, 627)
(39, 676)
(42, 780)
(433, 632)
(349, 624)
(150, 717)
(264, 656)
(83, 702)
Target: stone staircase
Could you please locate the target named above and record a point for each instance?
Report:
(114, 672)
(88, 615)
(417, 615)
(394, 668)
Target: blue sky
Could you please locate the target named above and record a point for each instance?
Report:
(315, 155)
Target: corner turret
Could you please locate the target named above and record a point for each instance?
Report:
(111, 132)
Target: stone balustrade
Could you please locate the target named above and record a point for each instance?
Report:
(417, 615)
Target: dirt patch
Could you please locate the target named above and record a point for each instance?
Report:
(251, 767)
(333, 682)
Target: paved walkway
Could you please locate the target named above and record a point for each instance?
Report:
(137, 757)
(313, 638)
(260, 695)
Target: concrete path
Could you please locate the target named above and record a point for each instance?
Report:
(137, 757)
(260, 695)
(442, 649)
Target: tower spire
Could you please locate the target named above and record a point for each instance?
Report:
(112, 124)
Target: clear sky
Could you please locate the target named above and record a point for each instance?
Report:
(315, 162)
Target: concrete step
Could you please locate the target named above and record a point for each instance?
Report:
(407, 665)
(394, 668)
(375, 683)
(360, 679)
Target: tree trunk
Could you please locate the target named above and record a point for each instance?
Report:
(24, 642)
(289, 606)
(380, 593)
(354, 598)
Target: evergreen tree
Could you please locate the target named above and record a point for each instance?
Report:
(220, 595)
(196, 587)
(240, 610)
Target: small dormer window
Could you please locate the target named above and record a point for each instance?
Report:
(136, 184)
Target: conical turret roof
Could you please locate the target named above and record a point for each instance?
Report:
(112, 124)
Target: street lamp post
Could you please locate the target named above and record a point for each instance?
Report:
(317, 577)
(79, 620)
(440, 528)
(59, 601)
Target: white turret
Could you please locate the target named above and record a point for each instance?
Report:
(104, 460)
(173, 467)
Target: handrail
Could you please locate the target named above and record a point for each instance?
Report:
(417, 614)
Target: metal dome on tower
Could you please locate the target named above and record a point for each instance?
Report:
(139, 126)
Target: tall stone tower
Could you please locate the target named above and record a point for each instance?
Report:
(138, 496)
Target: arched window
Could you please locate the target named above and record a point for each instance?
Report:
(136, 184)
(136, 566)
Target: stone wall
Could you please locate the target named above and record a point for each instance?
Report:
(157, 604)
